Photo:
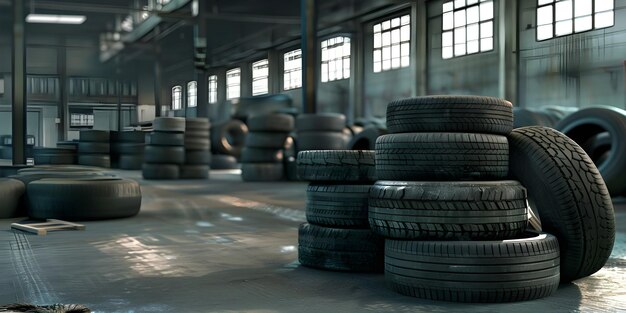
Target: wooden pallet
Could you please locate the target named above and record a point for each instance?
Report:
(43, 228)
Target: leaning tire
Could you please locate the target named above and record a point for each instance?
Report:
(341, 206)
(164, 155)
(337, 165)
(569, 195)
(160, 171)
(11, 192)
(254, 172)
(474, 271)
(97, 160)
(169, 124)
(229, 137)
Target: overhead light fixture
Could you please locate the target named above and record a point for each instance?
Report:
(55, 19)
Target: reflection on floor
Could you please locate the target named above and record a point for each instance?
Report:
(227, 246)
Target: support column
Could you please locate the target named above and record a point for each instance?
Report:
(62, 107)
(158, 70)
(118, 78)
(308, 12)
(420, 32)
(507, 48)
(18, 58)
(200, 59)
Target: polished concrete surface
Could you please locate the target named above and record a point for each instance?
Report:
(227, 246)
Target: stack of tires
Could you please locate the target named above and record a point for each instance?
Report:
(262, 157)
(197, 149)
(165, 149)
(337, 235)
(227, 142)
(128, 148)
(56, 156)
(94, 148)
(322, 131)
(455, 227)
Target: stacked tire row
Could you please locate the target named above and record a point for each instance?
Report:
(165, 149)
(94, 148)
(337, 235)
(197, 149)
(262, 157)
(322, 131)
(128, 149)
(455, 228)
(55, 156)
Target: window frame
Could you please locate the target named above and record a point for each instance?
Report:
(228, 86)
(349, 57)
(574, 32)
(191, 104)
(177, 89)
(263, 62)
(291, 71)
(452, 30)
(212, 92)
(409, 42)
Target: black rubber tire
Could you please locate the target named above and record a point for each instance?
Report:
(341, 206)
(131, 161)
(169, 124)
(198, 157)
(442, 156)
(28, 177)
(11, 192)
(229, 137)
(337, 165)
(261, 155)
(131, 137)
(320, 122)
(166, 139)
(68, 145)
(366, 139)
(96, 160)
(197, 134)
(525, 117)
(164, 154)
(599, 148)
(353, 250)
(197, 124)
(265, 140)
(94, 148)
(474, 271)
(321, 140)
(274, 122)
(448, 210)
(94, 136)
(129, 148)
(197, 144)
(223, 162)
(194, 172)
(586, 124)
(463, 114)
(94, 198)
(256, 172)
(55, 159)
(567, 192)
(160, 171)
(59, 168)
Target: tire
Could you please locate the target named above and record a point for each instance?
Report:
(448, 210)
(169, 124)
(274, 122)
(164, 155)
(353, 250)
(337, 166)
(197, 134)
(11, 192)
(129, 148)
(55, 159)
(261, 155)
(229, 137)
(321, 140)
(97, 160)
(131, 162)
(260, 105)
(586, 124)
(131, 137)
(94, 148)
(65, 198)
(198, 157)
(223, 162)
(194, 172)
(463, 114)
(526, 117)
(566, 190)
(341, 206)
(197, 144)
(197, 124)
(265, 140)
(366, 139)
(331, 122)
(94, 136)
(68, 145)
(160, 171)
(255, 172)
(28, 177)
(166, 139)
(474, 271)
(599, 148)
(441, 156)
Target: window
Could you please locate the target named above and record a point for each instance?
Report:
(392, 44)
(233, 83)
(260, 77)
(81, 120)
(292, 66)
(177, 94)
(467, 27)
(335, 59)
(192, 94)
(557, 18)
(213, 89)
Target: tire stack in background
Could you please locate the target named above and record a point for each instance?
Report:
(227, 142)
(165, 149)
(197, 149)
(128, 149)
(321, 131)
(262, 157)
(63, 155)
(94, 148)
(337, 235)
(455, 228)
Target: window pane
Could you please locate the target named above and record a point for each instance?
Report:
(395, 51)
(486, 44)
(472, 15)
(446, 52)
(459, 18)
(404, 61)
(582, 24)
(459, 35)
(446, 39)
(459, 3)
(459, 50)
(541, 2)
(405, 33)
(395, 36)
(544, 32)
(386, 38)
(395, 22)
(544, 15)
(486, 10)
(486, 29)
(472, 46)
(377, 67)
(405, 20)
(563, 28)
(377, 56)
(448, 21)
(604, 19)
(582, 7)
(472, 32)
(405, 49)
(448, 6)
(377, 40)
(603, 5)
(563, 11)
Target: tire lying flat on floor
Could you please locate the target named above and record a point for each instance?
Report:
(567, 192)
(11, 192)
(448, 210)
(337, 165)
(166, 139)
(474, 271)
(355, 250)
(342, 206)
(274, 122)
(169, 124)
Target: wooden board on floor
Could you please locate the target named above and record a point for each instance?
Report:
(43, 228)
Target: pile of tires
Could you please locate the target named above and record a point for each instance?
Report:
(127, 149)
(227, 141)
(197, 149)
(165, 149)
(337, 235)
(263, 156)
(548, 116)
(322, 131)
(57, 156)
(94, 148)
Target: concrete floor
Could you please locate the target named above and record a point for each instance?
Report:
(227, 246)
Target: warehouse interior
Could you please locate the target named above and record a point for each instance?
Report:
(312, 156)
